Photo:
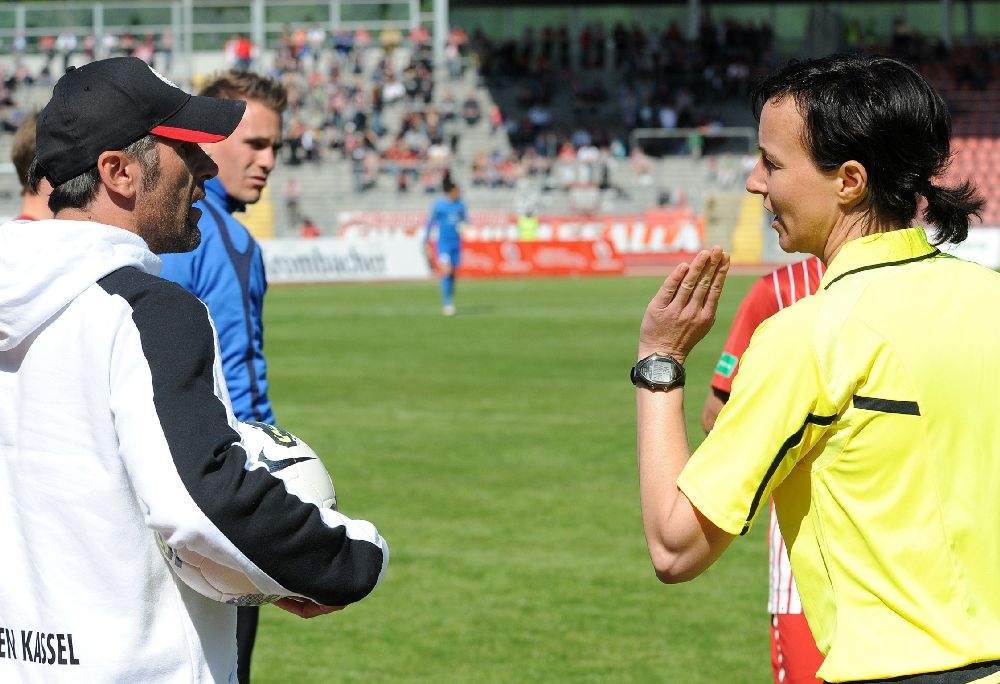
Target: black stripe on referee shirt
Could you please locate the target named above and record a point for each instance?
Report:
(869, 267)
(785, 448)
(908, 408)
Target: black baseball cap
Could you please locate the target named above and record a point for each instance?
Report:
(111, 103)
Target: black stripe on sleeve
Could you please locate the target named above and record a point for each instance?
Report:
(721, 395)
(283, 536)
(908, 408)
(785, 448)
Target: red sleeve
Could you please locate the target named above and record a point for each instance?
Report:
(759, 305)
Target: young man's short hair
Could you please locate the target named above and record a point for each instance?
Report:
(247, 85)
(22, 151)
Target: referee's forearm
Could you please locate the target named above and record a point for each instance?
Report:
(662, 449)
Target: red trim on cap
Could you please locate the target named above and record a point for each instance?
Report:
(186, 134)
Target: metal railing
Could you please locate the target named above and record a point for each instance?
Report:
(184, 26)
(694, 141)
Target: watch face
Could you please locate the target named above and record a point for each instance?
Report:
(660, 372)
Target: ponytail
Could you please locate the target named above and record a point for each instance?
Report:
(951, 209)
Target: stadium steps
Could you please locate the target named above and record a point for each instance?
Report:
(480, 136)
(748, 237)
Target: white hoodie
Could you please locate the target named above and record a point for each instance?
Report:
(115, 424)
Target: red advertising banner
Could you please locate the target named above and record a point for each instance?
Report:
(539, 258)
(677, 231)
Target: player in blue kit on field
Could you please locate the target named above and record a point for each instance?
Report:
(448, 214)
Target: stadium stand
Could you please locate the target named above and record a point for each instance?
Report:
(541, 123)
(979, 158)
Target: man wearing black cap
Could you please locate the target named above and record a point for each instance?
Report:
(115, 423)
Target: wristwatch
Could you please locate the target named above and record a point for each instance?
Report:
(657, 372)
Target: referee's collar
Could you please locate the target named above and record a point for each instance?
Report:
(879, 250)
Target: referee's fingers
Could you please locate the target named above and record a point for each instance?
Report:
(671, 285)
(686, 287)
(701, 276)
(718, 281)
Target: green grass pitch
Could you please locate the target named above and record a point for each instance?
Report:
(496, 452)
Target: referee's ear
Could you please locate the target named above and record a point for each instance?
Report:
(852, 183)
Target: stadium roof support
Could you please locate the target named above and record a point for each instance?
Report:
(695, 9)
(710, 3)
(441, 29)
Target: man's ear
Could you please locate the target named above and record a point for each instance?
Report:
(120, 173)
(852, 178)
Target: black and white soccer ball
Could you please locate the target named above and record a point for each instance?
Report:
(286, 457)
(289, 458)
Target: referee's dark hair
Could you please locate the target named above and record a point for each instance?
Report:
(884, 114)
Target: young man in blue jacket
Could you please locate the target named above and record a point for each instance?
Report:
(227, 270)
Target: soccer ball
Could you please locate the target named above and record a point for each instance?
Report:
(286, 457)
(289, 458)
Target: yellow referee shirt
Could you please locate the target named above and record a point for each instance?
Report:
(871, 411)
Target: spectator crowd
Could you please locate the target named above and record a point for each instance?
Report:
(561, 106)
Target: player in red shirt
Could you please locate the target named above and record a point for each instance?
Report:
(794, 655)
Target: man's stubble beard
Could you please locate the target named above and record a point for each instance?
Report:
(193, 234)
(163, 239)
(162, 232)
(187, 241)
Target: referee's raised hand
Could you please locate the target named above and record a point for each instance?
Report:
(683, 310)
